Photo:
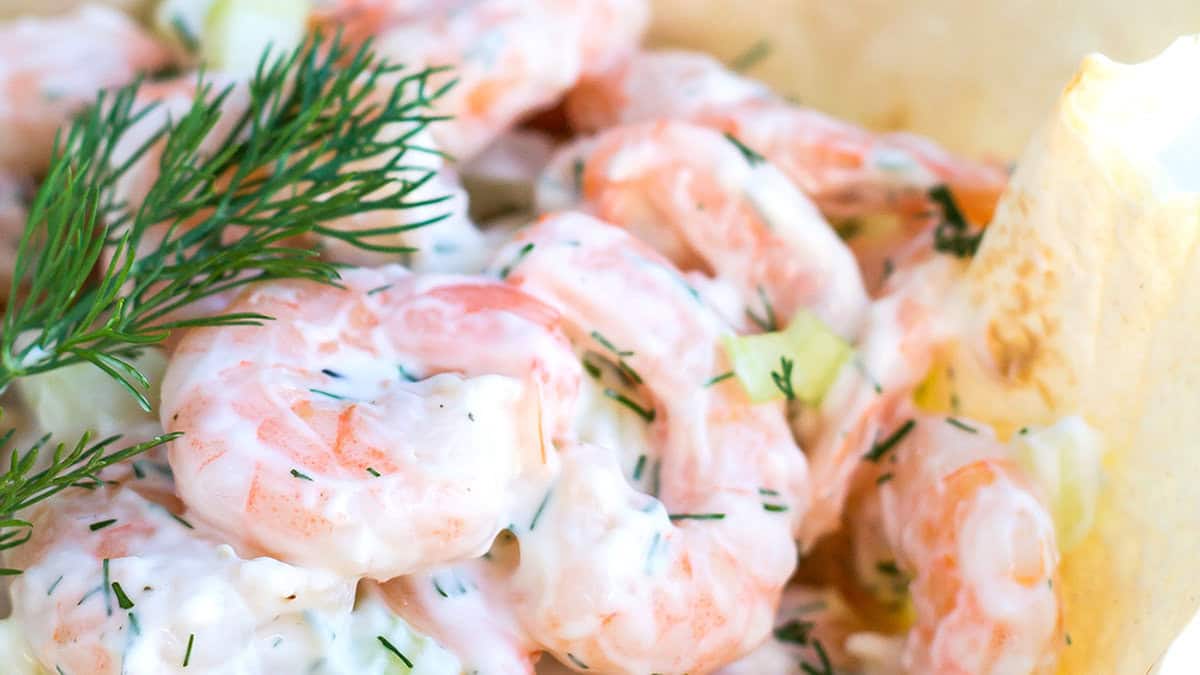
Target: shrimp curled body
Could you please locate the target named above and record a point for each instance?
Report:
(355, 432)
(608, 580)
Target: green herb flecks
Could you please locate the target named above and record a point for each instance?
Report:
(953, 235)
(881, 449)
(395, 652)
(752, 157)
(751, 57)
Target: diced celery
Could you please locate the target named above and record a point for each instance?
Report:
(802, 360)
(1065, 460)
(69, 401)
(237, 32)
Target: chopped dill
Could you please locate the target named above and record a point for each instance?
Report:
(775, 508)
(575, 660)
(751, 57)
(887, 567)
(396, 652)
(541, 507)
(880, 449)
(752, 157)
(952, 234)
(373, 472)
(768, 322)
(300, 475)
(524, 251)
(604, 342)
(646, 414)
(123, 600)
(824, 668)
(187, 656)
(697, 516)
(97, 526)
(639, 467)
(717, 379)
(794, 632)
(379, 289)
(962, 425)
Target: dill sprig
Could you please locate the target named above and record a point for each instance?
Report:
(322, 133)
(305, 151)
(22, 485)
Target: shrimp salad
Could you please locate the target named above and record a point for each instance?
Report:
(652, 386)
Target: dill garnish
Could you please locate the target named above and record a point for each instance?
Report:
(524, 251)
(187, 656)
(301, 476)
(783, 378)
(717, 379)
(752, 157)
(768, 321)
(575, 660)
(392, 648)
(646, 414)
(794, 632)
(97, 526)
(639, 467)
(883, 447)
(123, 600)
(751, 57)
(697, 516)
(541, 507)
(961, 425)
(224, 211)
(952, 234)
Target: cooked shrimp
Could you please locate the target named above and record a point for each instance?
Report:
(466, 608)
(847, 169)
(662, 83)
(509, 57)
(114, 583)
(900, 337)
(52, 67)
(708, 205)
(811, 627)
(856, 177)
(607, 580)
(980, 548)
(356, 432)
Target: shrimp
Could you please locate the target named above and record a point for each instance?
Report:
(811, 628)
(980, 547)
(50, 68)
(466, 608)
(509, 57)
(117, 583)
(355, 432)
(607, 580)
(856, 177)
(841, 165)
(707, 204)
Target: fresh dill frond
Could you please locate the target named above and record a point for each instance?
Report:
(23, 485)
(314, 142)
